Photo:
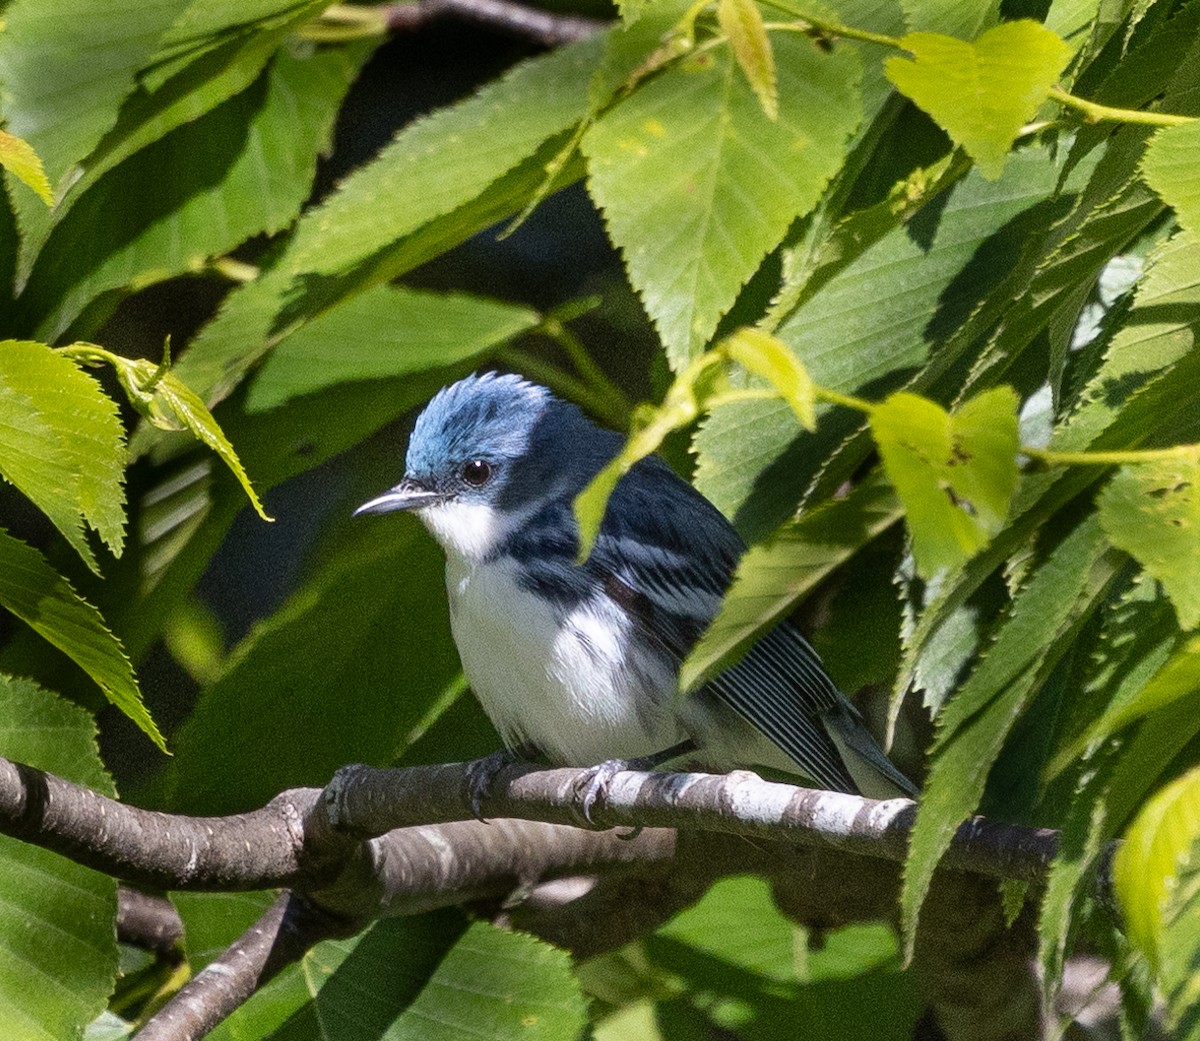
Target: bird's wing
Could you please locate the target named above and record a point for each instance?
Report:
(667, 556)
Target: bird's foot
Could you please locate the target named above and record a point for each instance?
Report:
(593, 785)
(482, 773)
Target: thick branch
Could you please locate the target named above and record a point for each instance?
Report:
(370, 801)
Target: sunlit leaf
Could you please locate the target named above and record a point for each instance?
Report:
(1152, 511)
(44, 600)
(62, 443)
(1172, 168)
(767, 356)
(955, 473)
(742, 22)
(19, 159)
(982, 93)
(1158, 845)
(670, 167)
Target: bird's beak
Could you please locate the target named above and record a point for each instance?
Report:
(407, 495)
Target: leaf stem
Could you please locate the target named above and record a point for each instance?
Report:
(593, 399)
(1117, 458)
(836, 28)
(1097, 113)
(846, 400)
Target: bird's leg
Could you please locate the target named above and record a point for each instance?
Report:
(481, 773)
(595, 783)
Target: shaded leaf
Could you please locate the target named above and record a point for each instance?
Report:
(423, 978)
(869, 328)
(242, 169)
(375, 592)
(19, 159)
(58, 950)
(955, 473)
(1152, 511)
(982, 93)
(419, 196)
(773, 576)
(62, 443)
(387, 331)
(1172, 168)
(742, 22)
(44, 600)
(669, 167)
(972, 727)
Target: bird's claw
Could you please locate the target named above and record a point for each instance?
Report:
(481, 773)
(594, 784)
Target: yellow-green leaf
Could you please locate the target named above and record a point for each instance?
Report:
(1172, 168)
(768, 356)
(19, 159)
(982, 93)
(1159, 845)
(33, 591)
(742, 22)
(62, 443)
(954, 473)
(1152, 511)
(681, 405)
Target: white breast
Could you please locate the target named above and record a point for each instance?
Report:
(559, 681)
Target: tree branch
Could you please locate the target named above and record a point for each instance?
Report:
(544, 27)
(289, 927)
(369, 801)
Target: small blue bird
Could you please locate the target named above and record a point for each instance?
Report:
(580, 662)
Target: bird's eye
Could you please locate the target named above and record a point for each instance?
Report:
(477, 472)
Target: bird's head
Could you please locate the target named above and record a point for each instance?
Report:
(485, 454)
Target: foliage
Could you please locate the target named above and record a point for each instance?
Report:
(876, 245)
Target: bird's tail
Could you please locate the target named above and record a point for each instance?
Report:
(872, 771)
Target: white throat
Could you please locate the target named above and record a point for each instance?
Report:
(468, 530)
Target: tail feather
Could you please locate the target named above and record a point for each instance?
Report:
(873, 773)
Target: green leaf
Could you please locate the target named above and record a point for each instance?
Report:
(669, 167)
(742, 22)
(419, 196)
(961, 18)
(444, 160)
(165, 400)
(58, 951)
(212, 921)
(67, 67)
(765, 355)
(1178, 678)
(423, 978)
(1159, 846)
(772, 577)
(44, 600)
(982, 93)
(972, 728)
(1152, 511)
(375, 593)
(955, 473)
(19, 159)
(242, 169)
(1171, 166)
(211, 58)
(387, 331)
(872, 325)
(62, 443)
